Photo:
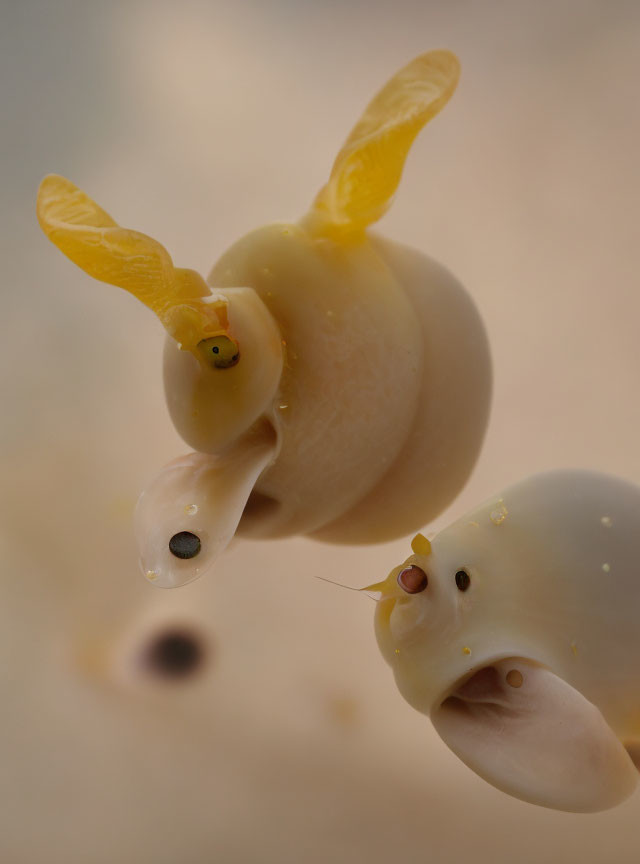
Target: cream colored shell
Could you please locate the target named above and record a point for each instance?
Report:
(553, 605)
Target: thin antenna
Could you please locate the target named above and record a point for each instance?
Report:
(348, 587)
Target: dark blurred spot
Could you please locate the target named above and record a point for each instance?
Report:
(175, 654)
(463, 580)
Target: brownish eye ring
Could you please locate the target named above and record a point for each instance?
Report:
(412, 579)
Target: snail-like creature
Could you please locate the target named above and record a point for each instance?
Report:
(516, 630)
(331, 382)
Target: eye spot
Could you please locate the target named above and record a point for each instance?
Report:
(175, 654)
(221, 351)
(514, 678)
(463, 580)
(184, 544)
(412, 579)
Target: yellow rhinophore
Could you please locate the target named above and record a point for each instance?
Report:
(368, 168)
(131, 260)
(420, 545)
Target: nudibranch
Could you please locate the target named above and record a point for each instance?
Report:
(331, 382)
(516, 630)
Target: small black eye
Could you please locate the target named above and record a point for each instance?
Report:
(463, 580)
(215, 349)
(175, 654)
(412, 579)
(184, 544)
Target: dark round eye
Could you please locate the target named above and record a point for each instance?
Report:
(175, 654)
(184, 544)
(463, 580)
(221, 351)
(412, 579)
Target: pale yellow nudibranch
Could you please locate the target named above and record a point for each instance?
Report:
(378, 354)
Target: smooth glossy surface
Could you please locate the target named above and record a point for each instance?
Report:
(530, 674)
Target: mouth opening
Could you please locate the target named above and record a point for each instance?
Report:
(483, 686)
(261, 509)
(480, 684)
(258, 510)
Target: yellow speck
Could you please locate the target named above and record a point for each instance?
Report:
(606, 568)
(191, 509)
(397, 650)
(500, 513)
(466, 650)
(151, 575)
(574, 648)
(420, 545)
(606, 521)
(474, 524)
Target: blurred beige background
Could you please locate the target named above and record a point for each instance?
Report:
(195, 122)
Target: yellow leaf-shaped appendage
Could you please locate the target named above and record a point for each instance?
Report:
(367, 170)
(131, 260)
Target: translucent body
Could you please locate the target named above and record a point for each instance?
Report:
(357, 363)
(553, 595)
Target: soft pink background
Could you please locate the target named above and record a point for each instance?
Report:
(195, 122)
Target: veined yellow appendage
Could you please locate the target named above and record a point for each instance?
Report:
(87, 235)
(367, 170)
